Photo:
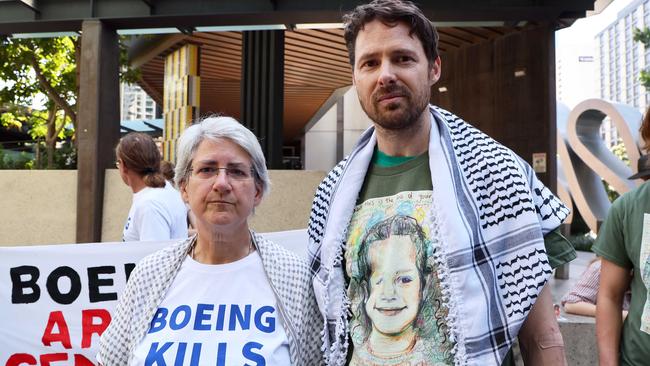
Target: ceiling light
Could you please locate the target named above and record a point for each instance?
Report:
(45, 35)
(319, 25)
(241, 28)
(132, 32)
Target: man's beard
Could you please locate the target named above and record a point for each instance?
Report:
(399, 115)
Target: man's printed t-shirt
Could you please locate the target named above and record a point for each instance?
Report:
(217, 315)
(398, 317)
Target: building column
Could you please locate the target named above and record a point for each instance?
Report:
(262, 91)
(98, 125)
(181, 95)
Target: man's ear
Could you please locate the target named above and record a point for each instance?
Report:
(435, 71)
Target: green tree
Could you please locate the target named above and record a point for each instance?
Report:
(36, 67)
(643, 36)
(20, 161)
(619, 152)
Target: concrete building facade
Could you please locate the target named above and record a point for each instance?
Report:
(620, 61)
(135, 103)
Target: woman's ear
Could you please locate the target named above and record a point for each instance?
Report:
(259, 192)
(182, 187)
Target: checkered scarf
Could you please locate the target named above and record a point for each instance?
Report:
(489, 283)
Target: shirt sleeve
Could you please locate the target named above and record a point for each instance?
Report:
(558, 249)
(117, 340)
(610, 243)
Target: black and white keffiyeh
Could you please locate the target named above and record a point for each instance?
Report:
(490, 282)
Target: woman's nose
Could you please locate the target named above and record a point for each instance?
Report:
(221, 181)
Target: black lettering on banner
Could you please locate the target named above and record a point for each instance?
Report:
(128, 268)
(18, 286)
(94, 283)
(53, 285)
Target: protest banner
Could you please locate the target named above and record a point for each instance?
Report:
(56, 300)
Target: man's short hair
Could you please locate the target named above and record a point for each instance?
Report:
(391, 12)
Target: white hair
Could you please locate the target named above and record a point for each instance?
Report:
(213, 128)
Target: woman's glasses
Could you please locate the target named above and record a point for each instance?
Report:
(235, 173)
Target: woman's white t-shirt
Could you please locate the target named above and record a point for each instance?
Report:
(156, 214)
(223, 315)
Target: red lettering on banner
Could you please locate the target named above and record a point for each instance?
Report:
(89, 327)
(56, 318)
(21, 358)
(81, 360)
(53, 357)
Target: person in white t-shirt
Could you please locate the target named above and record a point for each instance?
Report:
(225, 296)
(157, 211)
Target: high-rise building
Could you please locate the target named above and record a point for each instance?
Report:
(575, 73)
(621, 60)
(136, 103)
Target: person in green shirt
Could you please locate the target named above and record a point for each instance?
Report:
(625, 248)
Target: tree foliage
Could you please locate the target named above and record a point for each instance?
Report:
(19, 161)
(619, 151)
(31, 68)
(643, 36)
(45, 68)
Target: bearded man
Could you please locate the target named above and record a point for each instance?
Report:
(490, 225)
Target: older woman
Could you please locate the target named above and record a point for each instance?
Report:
(226, 296)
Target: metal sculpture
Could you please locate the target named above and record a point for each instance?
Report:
(584, 160)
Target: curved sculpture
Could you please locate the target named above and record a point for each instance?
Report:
(586, 160)
(583, 133)
(585, 186)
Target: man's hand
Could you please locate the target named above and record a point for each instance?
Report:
(540, 339)
(614, 281)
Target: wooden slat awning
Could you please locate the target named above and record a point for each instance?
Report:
(316, 64)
